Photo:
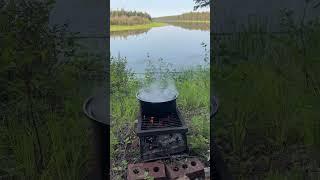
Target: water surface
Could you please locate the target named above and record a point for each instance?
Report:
(178, 44)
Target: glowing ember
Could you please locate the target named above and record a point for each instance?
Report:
(152, 120)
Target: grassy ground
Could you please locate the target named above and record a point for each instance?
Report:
(136, 27)
(44, 134)
(193, 86)
(269, 90)
(58, 138)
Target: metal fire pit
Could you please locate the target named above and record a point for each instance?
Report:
(161, 129)
(161, 137)
(170, 123)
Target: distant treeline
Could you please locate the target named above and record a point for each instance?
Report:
(191, 16)
(191, 25)
(122, 17)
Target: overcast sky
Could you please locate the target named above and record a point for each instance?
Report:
(156, 8)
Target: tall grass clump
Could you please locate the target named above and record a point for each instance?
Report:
(267, 85)
(43, 132)
(124, 108)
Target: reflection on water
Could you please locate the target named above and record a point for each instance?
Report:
(186, 25)
(126, 34)
(192, 25)
(189, 26)
(180, 47)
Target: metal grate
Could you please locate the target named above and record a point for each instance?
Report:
(161, 135)
(170, 121)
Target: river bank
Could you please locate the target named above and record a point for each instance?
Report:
(186, 21)
(136, 27)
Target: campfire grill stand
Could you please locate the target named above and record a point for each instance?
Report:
(163, 125)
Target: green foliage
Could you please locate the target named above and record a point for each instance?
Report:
(193, 87)
(122, 12)
(123, 88)
(124, 107)
(192, 25)
(268, 85)
(42, 88)
(190, 16)
(199, 138)
(122, 17)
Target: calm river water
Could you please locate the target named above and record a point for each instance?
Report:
(177, 44)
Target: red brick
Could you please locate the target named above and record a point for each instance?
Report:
(137, 171)
(190, 167)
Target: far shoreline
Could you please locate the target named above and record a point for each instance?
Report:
(186, 21)
(114, 28)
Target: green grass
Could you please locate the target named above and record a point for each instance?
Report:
(64, 141)
(44, 134)
(268, 88)
(136, 27)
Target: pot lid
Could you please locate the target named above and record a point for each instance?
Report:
(95, 108)
(157, 95)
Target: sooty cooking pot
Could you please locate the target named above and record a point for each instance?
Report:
(158, 108)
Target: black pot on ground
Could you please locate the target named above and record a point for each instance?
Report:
(220, 169)
(95, 108)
